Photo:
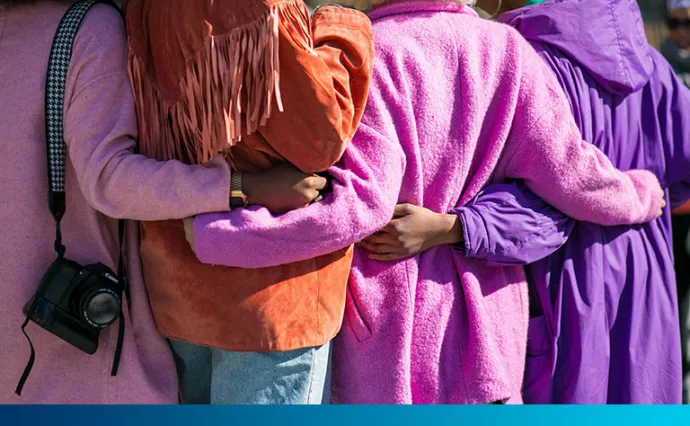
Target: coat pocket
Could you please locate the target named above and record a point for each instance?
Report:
(536, 387)
(354, 318)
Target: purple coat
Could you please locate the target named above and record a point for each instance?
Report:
(604, 316)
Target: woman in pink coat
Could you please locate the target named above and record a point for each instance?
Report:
(456, 103)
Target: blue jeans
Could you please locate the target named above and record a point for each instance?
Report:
(215, 376)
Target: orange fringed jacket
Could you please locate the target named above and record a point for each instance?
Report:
(264, 83)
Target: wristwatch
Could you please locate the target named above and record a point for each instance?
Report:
(322, 5)
(238, 199)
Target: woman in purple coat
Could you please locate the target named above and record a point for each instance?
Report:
(604, 311)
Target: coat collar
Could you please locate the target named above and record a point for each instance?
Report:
(414, 7)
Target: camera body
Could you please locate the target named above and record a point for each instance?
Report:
(75, 302)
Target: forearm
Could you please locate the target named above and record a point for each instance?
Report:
(450, 230)
(365, 186)
(509, 225)
(572, 175)
(100, 131)
(546, 150)
(579, 180)
(135, 187)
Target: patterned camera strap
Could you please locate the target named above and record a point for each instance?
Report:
(56, 80)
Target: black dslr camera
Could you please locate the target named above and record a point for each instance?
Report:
(75, 302)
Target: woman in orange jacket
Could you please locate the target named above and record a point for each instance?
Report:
(266, 84)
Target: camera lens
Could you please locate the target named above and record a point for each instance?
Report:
(100, 307)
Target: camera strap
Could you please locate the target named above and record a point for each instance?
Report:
(121, 274)
(56, 80)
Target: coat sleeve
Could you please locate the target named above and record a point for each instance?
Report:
(674, 108)
(365, 186)
(100, 129)
(507, 224)
(323, 89)
(546, 150)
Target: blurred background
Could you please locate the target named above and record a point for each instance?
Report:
(653, 11)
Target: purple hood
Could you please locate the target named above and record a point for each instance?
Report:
(605, 37)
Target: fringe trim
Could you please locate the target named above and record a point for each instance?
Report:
(227, 90)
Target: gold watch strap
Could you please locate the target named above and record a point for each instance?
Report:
(237, 195)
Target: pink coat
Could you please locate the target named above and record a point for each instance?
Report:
(104, 178)
(456, 103)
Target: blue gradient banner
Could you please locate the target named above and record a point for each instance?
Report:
(343, 415)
